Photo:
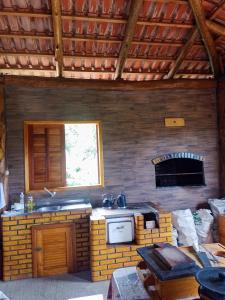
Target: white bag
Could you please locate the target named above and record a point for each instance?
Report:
(174, 237)
(203, 224)
(217, 206)
(184, 223)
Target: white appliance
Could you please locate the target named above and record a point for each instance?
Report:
(120, 230)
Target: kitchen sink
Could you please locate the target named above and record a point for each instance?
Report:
(48, 208)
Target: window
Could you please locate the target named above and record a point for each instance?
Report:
(62, 155)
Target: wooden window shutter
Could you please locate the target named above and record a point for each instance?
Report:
(46, 152)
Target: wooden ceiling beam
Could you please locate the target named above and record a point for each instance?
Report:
(26, 36)
(93, 39)
(47, 55)
(129, 33)
(121, 85)
(217, 10)
(215, 27)
(183, 53)
(95, 19)
(57, 29)
(199, 15)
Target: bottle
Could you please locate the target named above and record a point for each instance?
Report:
(30, 203)
(22, 198)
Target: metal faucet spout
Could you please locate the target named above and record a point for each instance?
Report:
(52, 194)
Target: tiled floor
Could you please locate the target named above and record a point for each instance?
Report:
(61, 287)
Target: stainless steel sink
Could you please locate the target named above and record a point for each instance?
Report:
(48, 208)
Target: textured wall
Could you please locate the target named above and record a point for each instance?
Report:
(133, 134)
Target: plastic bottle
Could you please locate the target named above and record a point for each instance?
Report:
(22, 198)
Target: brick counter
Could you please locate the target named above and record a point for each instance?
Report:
(106, 258)
(17, 243)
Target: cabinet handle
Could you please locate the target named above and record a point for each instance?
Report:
(38, 249)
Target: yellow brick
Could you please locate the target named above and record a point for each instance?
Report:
(99, 278)
(130, 264)
(95, 273)
(94, 222)
(148, 241)
(9, 223)
(99, 268)
(169, 239)
(162, 225)
(166, 234)
(9, 253)
(107, 272)
(18, 257)
(95, 263)
(98, 237)
(155, 235)
(25, 271)
(25, 231)
(73, 217)
(107, 262)
(94, 243)
(24, 251)
(12, 272)
(10, 243)
(108, 251)
(102, 242)
(44, 220)
(165, 215)
(129, 253)
(162, 230)
(162, 220)
(168, 219)
(159, 240)
(122, 259)
(97, 226)
(58, 218)
(95, 232)
(10, 233)
(23, 242)
(115, 266)
(114, 255)
(122, 249)
(96, 252)
(155, 230)
(98, 247)
(18, 247)
(62, 213)
(30, 221)
(101, 231)
(5, 238)
(11, 263)
(18, 227)
(99, 257)
(17, 237)
(7, 228)
(101, 221)
(25, 261)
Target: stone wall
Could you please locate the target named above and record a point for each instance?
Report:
(133, 134)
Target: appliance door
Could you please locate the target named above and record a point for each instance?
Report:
(120, 231)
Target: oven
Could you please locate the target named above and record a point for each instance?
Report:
(120, 230)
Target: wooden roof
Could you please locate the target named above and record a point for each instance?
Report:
(133, 40)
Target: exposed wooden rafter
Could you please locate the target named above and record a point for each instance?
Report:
(132, 20)
(96, 19)
(57, 28)
(217, 10)
(183, 53)
(199, 15)
(216, 28)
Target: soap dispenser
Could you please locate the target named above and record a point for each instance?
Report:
(22, 198)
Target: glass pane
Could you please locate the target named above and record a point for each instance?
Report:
(81, 154)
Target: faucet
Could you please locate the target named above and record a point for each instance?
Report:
(52, 194)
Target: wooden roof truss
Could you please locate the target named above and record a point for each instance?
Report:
(143, 40)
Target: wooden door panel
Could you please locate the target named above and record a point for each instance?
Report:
(53, 249)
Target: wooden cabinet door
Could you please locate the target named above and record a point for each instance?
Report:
(53, 249)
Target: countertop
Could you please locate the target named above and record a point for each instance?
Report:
(61, 206)
(130, 210)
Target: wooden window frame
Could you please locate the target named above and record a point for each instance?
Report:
(99, 148)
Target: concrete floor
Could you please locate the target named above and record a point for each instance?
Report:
(61, 287)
